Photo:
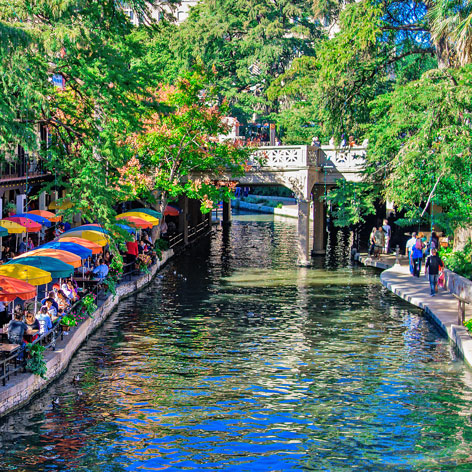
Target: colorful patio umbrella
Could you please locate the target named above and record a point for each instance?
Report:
(95, 248)
(30, 225)
(171, 211)
(30, 274)
(138, 214)
(137, 222)
(3, 232)
(91, 227)
(64, 256)
(47, 214)
(156, 214)
(127, 228)
(12, 227)
(74, 248)
(94, 236)
(55, 267)
(11, 288)
(63, 204)
(36, 218)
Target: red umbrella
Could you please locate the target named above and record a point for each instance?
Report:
(137, 222)
(11, 288)
(171, 211)
(30, 225)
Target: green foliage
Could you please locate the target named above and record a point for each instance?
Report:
(36, 363)
(351, 202)
(69, 320)
(459, 262)
(159, 246)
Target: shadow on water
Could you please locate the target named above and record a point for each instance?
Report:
(235, 359)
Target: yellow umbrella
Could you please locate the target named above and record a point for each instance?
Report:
(89, 235)
(30, 274)
(60, 205)
(12, 227)
(139, 214)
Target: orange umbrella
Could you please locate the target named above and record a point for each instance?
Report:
(95, 248)
(30, 225)
(137, 222)
(11, 288)
(49, 215)
(64, 256)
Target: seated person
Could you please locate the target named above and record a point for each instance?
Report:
(50, 309)
(63, 301)
(52, 295)
(101, 271)
(31, 321)
(16, 329)
(71, 292)
(45, 323)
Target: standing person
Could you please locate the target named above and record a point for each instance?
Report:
(433, 265)
(409, 245)
(372, 241)
(30, 244)
(387, 229)
(23, 247)
(417, 256)
(379, 242)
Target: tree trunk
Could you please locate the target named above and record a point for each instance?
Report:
(442, 53)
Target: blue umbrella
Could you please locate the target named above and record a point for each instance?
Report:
(3, 232)
(37, 218)
(128, 228)
(77, 249)
(55, 267)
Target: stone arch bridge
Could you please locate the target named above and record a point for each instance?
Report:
(307, 171)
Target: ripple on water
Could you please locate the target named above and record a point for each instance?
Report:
(253, 364)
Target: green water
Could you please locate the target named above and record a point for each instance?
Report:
(237, 360)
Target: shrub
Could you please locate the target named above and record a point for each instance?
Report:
(459, 262)
(36, 363)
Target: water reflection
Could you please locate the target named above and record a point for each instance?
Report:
(238, 360)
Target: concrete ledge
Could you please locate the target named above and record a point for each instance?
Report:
(21, 388)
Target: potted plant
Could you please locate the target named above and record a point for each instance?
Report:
(10, 208)
(67, 322)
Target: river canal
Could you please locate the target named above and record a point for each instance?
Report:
(236, 360)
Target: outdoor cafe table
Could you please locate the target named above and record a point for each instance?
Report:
(29, 333)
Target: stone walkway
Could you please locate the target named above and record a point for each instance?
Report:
(442, 308)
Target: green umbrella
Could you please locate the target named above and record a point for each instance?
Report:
(55, 267)
(154, 213)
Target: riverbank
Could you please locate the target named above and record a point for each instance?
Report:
(442, 309)
(22, 388)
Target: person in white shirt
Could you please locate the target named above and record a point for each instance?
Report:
(410, 243)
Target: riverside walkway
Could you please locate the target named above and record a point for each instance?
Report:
(442, 309)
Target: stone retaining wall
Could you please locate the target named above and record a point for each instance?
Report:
(458, 285)
(22, 388)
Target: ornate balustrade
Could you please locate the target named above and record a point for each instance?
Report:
(291, 157)
(345, 158)
(283, 157)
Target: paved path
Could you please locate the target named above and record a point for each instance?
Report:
(442, 308)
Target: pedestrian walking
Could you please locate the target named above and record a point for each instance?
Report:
(387, 229)
(433, 266)
(379, 241)
(371, 249)
(417, 256)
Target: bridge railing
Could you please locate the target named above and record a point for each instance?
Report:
(284, 157)
(344, 158)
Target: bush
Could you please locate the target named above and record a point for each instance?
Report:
(459, 262)
(36, 363)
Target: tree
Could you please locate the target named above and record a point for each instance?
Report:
(179, 150)
(249, 42)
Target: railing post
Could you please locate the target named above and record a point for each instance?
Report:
(397, 255)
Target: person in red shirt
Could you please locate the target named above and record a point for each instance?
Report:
(132, 251)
